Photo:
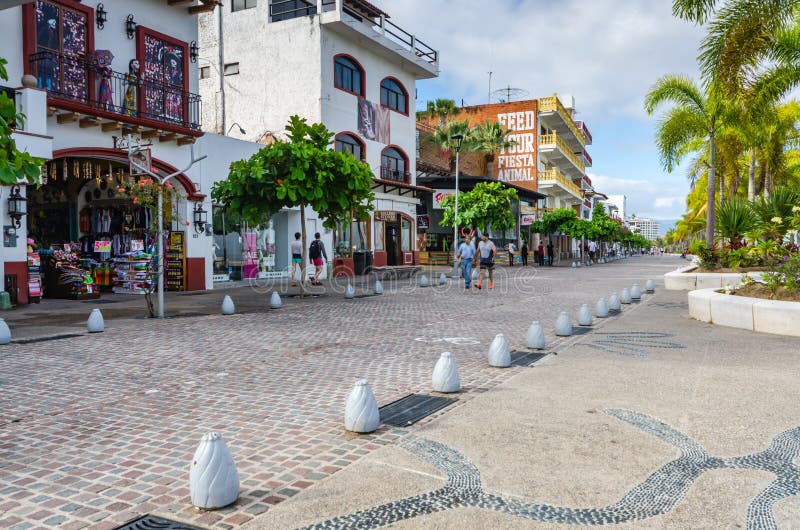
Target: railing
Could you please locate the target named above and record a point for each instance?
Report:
(553, 104)
(405, 39)
(75, 80)
(554, 139)
(389, 173)
(585, 130)
(289, 9)
(554, 175)
(588, 158)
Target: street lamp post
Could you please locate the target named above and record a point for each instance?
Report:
(457, 139)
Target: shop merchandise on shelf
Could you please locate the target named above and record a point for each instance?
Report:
(133, 273)
(67, 275)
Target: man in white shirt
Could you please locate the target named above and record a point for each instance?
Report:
(466, 253)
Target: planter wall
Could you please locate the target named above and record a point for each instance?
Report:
(685, 280)
(755, 314)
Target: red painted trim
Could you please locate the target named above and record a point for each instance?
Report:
(20, 270)
(402, 87)
(363, 75)
(29, 30)
(195, 274)
(119, 154)
(141, 33)
(357, 138)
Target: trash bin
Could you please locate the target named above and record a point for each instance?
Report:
(368, 268)
(359, 262)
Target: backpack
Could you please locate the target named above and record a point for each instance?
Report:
(315, 250)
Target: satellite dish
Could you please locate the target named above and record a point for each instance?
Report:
(508, 94)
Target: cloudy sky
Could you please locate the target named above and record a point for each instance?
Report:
(605, 53)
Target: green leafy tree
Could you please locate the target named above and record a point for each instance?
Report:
(487, 205)
(15, 165)
(555, 221)
(302, 171)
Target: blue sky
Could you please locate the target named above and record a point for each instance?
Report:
(605, 53)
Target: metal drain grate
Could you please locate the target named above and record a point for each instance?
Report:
(46, 339)
(100, 301)
(412, 408)
(581, 330)
(526, 358)
(614, 312)
(151, 522)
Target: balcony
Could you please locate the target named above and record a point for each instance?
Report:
(550, 178)
(73, 85)
(585, 130)
(367, 21)
(388, 173)
(556, 117)
(558, 152)
(587, 160)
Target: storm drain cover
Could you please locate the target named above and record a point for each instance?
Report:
(581, 330)
(614, 311)
(525, 358)
(151, 522)
(49, 338)
(412, 408)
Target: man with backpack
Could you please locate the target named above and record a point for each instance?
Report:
(316, 253)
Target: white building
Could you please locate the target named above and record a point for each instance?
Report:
(617, 204)
(81, 104)
(647, 228)
(339, 62)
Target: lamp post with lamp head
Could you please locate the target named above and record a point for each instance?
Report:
(457, 140)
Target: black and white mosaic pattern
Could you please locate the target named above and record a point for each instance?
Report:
(633, 343)
(656, 495)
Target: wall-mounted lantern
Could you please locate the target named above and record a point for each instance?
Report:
(130, 26)
(100, 16)
(17, 206)
(200, 217)
(194, 51)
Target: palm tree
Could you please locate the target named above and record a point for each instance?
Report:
(440, 108)
(735, 218)
(781, 137)
(694, 115)
(489, 138)
(442, 137)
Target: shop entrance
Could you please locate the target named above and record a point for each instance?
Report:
(393, 243)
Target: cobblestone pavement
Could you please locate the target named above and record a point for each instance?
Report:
(98, 429)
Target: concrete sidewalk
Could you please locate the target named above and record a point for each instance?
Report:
(641, 423)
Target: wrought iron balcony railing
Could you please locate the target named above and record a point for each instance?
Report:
(104, 92)
(388, 173)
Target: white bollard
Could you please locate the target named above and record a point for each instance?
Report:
(442, 279)
(650, 286)
(499, 354)
(227, 306)
(584, 315)
(580, 264)
(275, 300)
(636, 292)
(424, 281)
(5, 332)
(378, 287)
(213, 480)
(535, 336)
(475, 275)
(563, 325)
(95, 323)
(625, 297)
(349, 292)
(574, 265)
(361, 411)
(445, 374)
(601, 309)
(614, 303)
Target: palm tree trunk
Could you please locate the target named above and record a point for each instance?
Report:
(767, 180)
(721, 179)
(751, 175)
(712, 186)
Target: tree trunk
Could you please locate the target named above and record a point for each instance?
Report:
(751, 175)
(490, 166)
(721, 179)
(711, 188)
(767, 180)
(305, 249)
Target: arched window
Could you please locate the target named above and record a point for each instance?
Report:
(348, 75)
(349, 143)
(394, 95)
(394, 165)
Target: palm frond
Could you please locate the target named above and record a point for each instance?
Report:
(696, 11)
(677, 89)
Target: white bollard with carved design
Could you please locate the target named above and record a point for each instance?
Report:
(361, 411)
(499, 354)
(563, 325)
(424, 281)
(227, 306)
(378, 288)
(213, 479)
(275, 300)
(349, 292)
(614, 303)
(601, 309)
(625, 297)
(636, 292)
(535, 336)
(442, 279)
(650, 286)
(5, 332)
(95, 323)
(445, 374)
(584, 315)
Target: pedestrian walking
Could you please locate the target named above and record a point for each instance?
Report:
(487, 252)
(316, 252)
(592, 250)
(511, 249)
(550, 252)
(523, 252)
(297, 257)
(540, 254)
(466, 255)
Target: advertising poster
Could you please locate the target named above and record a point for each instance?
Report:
(373, 121)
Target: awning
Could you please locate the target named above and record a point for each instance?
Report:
(391, 186)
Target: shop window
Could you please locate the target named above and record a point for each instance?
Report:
(205, 72)
(239, 5)
(348, 143)
(394, 165)
(351, 237)
(165, 65)
(394, 96)
(231, 69)
(405, 234)
(348, 75)
(62, 47)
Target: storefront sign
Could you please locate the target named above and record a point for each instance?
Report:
(137, 244)
(438, 197)
(524, 208)
(385, 216)
(142, 160)
(518, 162)
(423, 222)
(102, 246)
(526, 219)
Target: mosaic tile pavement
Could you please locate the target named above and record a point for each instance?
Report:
(656, 495)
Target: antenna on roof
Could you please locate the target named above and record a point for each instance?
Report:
(508, 94)
(490, 88)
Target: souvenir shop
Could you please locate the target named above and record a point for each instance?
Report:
(92, 229)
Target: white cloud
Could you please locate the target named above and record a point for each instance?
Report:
(645, 198)
(666, 202)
